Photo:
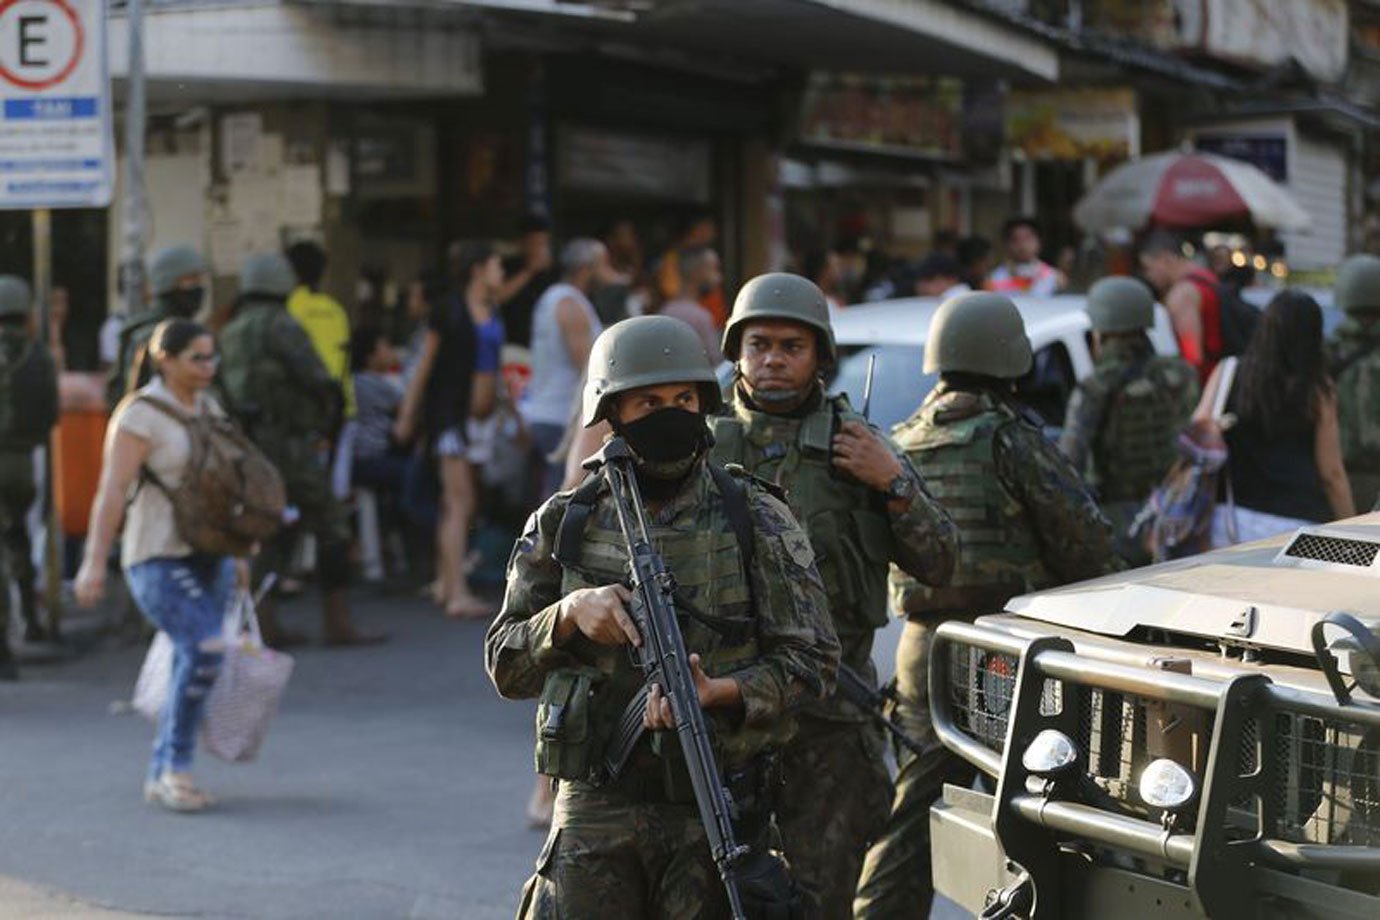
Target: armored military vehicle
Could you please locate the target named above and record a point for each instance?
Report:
(1194, 739)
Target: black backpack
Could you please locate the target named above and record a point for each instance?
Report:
(1239, 319)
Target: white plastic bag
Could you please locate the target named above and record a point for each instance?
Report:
(246, 694)
(155, 677)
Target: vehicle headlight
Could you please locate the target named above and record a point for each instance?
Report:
(1166, 785)
(1051, 753)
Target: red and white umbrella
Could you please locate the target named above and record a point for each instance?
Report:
(1188, 191)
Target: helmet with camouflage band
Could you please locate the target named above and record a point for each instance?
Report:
(978, 333)
(16, 297)
(1120, 305)
(267, 274)
(781, 296)
(1358, 284)
(646, 351)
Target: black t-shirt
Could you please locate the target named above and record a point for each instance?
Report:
(517, 310)
(1276, 474)
(448, 389)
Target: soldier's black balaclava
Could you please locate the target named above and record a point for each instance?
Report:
(668, 443)
(183, 302)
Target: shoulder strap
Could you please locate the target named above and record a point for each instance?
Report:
(739, 514)
(570, 535)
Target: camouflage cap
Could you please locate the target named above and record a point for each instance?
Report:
(267, 274)
(16, 297)
(782, 296)
(1120, 305)
(1358, 284)
(646, 351)
(173, 263)
(978, 333)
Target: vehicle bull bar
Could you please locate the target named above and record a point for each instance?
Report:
(1029, 824)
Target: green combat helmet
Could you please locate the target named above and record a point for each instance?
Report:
(171, 264)
(646, 351)
(16, 298)
(979, 333)
(781, 296)
(1358, 285)
(1120, 305)
(267, 274)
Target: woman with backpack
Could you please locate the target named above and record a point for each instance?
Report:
(1284, 448)
(181, 591)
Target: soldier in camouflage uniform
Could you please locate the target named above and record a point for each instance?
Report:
(631, 845)
(275, 384)
(28, 412)
(1025, 521)
(864, 506)
(177, 276)
(1123, 419)
(1355, 366)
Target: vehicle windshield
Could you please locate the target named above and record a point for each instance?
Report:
(898, 383)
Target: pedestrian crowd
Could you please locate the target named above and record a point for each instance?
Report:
(792, 526)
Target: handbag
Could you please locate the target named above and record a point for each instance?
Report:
(155, 677)
(1176, 520)
(245, 696)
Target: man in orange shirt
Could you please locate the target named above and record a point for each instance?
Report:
(699, 231)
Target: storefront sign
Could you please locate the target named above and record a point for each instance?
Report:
(56, 148)
(609, 161)
(1073, 124)
(1267, 152)
(901, 115)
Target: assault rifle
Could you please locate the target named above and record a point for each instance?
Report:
(861, 693)
(664, 661)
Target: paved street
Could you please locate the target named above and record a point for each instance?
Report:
(392, 785)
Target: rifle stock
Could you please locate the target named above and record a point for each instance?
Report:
(663, 658)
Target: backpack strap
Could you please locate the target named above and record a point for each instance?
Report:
(736, 508)
(570, 535)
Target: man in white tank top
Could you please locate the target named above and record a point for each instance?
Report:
(564, 325)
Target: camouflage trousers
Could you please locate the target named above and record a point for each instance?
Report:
(896, 881)
(17, 495)
(833, 805)
(609, 855)
(308, 483)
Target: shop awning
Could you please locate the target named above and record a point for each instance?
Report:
(866, 36)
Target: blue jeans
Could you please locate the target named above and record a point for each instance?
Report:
(187, 599)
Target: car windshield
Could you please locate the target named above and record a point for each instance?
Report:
(898, 383)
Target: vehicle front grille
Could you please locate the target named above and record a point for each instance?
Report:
(1336, 550)
(1326, 783)
(981, 685)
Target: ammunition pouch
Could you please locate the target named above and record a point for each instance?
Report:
(567, 746)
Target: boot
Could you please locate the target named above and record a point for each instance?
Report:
(28, 605)
(339, 630)
(275, 636)
(9, 671)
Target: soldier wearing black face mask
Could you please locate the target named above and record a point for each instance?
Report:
(177, 276)
(626, 839)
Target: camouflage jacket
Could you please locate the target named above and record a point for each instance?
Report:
(795, 649)
(1025, 518)
(1355, 354)
(855, 534)
(1122, 419)
(272, 378)
(29, 394)
(133, 342)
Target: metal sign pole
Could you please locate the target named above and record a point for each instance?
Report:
(52, 546)
(132, 261)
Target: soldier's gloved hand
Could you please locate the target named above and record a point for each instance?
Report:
(768, 890)
(601, 614)
(712, 691)
(860, 453)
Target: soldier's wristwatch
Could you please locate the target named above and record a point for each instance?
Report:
(902, 488)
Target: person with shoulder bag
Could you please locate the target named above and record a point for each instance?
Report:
(182, 570)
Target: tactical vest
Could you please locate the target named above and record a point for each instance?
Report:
(258, 387)
(1135, 446)
(579, 710)
(28, 392)
(848, 527)
(1356, 368)
(949, 440)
